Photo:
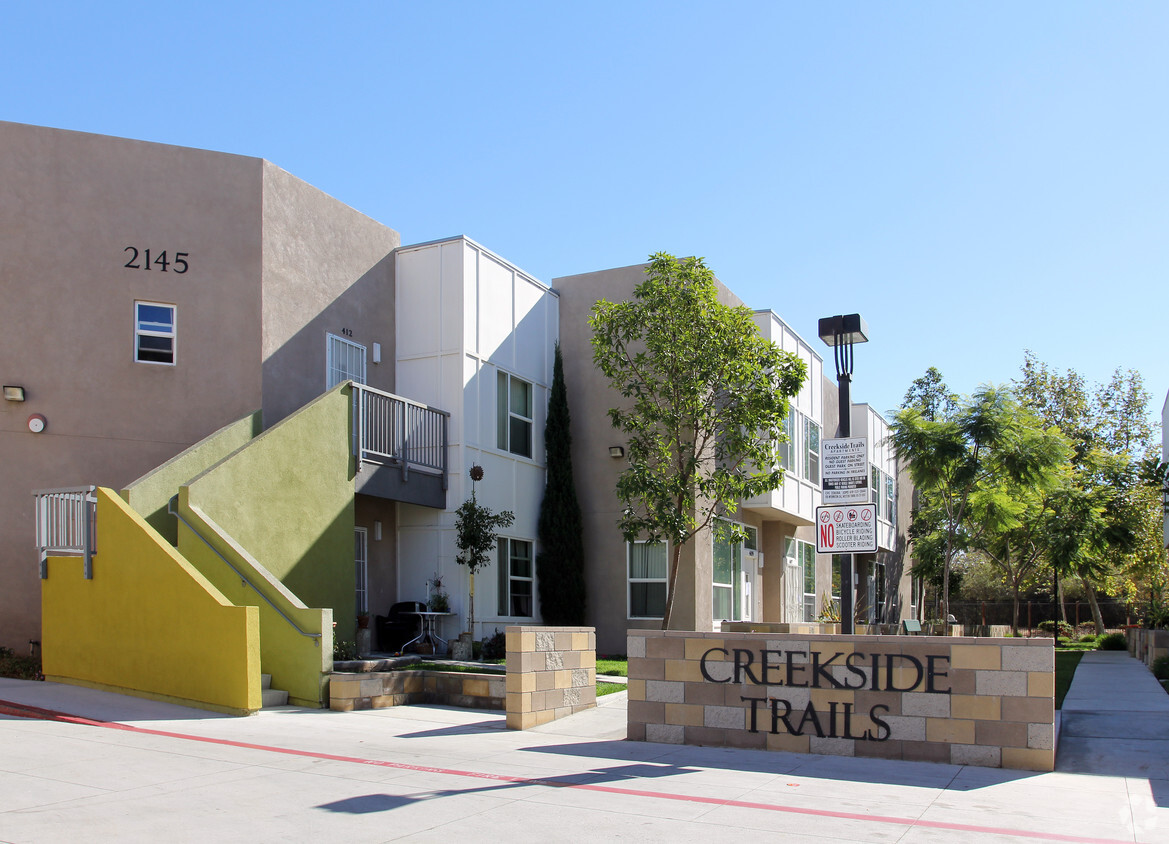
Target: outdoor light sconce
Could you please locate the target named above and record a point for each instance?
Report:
(377, 530)
(616, 451)
(13, 393)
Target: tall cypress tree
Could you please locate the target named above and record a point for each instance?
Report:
(560, 561)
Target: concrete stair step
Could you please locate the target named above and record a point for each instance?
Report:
(265, 681)
(274, 697)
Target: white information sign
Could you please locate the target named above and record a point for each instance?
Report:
(844, 476)
(846, 529)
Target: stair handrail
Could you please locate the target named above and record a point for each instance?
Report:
(362, 449)
(173, 510)
(74, 522)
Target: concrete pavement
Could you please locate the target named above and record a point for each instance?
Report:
(134, 770)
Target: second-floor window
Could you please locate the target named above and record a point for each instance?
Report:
(344, 361)
(154, 333)
(514, 415)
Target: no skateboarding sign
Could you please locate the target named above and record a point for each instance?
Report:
(846, 529)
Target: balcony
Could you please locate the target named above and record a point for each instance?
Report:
(401, 448)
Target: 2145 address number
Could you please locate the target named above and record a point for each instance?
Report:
(178, 265)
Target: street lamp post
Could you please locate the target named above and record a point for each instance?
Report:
(841, 332)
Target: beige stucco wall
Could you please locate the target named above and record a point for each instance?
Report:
(274, 264)
(72, 203)
(589, 398)
(327, 269)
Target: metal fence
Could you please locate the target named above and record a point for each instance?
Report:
(1031, 613)
(66, 525)
(396, 430)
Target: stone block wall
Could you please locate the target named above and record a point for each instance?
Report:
(1147, 645)
(983, 701)
(381, 689)
(551, 672)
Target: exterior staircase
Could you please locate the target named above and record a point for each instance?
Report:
(271, 697)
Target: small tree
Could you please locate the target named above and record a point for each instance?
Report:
(475, 528)
(560, 561)
(989, 442)
(706, 398)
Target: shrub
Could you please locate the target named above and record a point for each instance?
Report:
(344, 651)
(1161, 668)
(1088, 639)
(1113, 642)
(1062, 641)
(495, 647)
(19, 667)
(1062, 628)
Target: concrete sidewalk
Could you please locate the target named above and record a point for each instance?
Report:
(1115, 720)
(425, 773)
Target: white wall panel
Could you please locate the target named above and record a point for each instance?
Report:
(418, 307)
(495, 312)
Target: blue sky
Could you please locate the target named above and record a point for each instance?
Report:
(975, 179)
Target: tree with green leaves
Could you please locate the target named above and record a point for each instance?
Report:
(964, 460)
(560, 560)
(1097, 517)
(931, 396)
(475, 536)
(705, 396)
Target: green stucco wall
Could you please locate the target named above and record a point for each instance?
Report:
(150, 493)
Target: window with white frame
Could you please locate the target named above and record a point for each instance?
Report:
(787, 449)
(891, 500)
(154, 333)
(812, 451)
(515, 577)
(361, 565)
(647, 568)
(806, 555)
(875, 491)
(344, 361)
(514, 415)
(726, 596)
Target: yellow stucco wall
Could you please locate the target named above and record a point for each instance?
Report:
(148, 623)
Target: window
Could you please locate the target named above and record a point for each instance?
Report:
(515, 577)
(514, 420)
(344, 361)
(154, 333)
(361, 564)
(875, 489)
(787, 450)
(837, 569)
(806, 555)
(647, 579)
(811, 451)
(727, 597)
(890, 500)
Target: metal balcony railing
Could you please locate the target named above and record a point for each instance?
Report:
(66, 525)
(392, 430)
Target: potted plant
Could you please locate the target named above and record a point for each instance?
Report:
(438, 601)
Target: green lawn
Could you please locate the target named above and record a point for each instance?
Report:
(604, 688)
(614, 666)
(1065, 667)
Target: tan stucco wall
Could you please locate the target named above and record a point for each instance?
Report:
(327, 269)
(274, 264)
(72, 203)
(589, 398)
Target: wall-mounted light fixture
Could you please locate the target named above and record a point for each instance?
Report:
(377, 531)
(377, 352)
(13, 393)
(616, 451)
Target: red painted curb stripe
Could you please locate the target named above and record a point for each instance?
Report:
(20, 710)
